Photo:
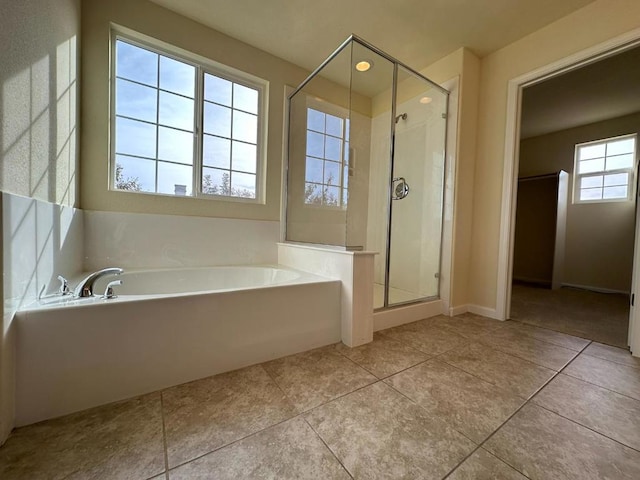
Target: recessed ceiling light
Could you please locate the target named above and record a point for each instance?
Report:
(425, 100)
(364, 65)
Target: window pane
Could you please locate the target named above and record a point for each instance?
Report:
(620, 161)
(135, 63)
(175, 145)
(591, 182)
(244, 157)
(616, 179)
(345, 197)
(315, 120)
(217, 120)
(346, 129)
(315, 144)
(136, 101)
(177, 76)
(313, 170)
(619, 147)
(591, 151)
(217, 89)
(174, 179)
(245, 127)
(216, 152)
(331, 173)
(346, 153)
(331, 196)
(312, 194)
(215, 182)
(243, 185)
(245, 98)
(332, 148)
(590, 166)
(345, 178)
(591, 194)
(135, 174)
(135, 138)
(176, 111)
(334, 126)
(615, 192)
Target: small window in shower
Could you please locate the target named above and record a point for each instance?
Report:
(327, 159)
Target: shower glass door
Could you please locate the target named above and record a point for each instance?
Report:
(417, 190)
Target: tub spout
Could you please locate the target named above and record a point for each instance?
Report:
(85, 287)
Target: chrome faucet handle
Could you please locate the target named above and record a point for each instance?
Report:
(108, 292)
(64, 286)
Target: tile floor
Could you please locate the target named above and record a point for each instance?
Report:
(456, 398)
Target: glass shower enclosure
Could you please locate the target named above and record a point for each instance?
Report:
(366, 167)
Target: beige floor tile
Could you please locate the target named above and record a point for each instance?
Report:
(602, 410)
(207, 414)
(470, 405)
(312, 378)
(384, 356)
(484, 466)
(470, 325)
(515, 342)
(117, 441)
(541, 444)
(378, 433)
(614, 376)
(427, 336)
(514, 374)
(290, 450)
(613, 354)
(549, 336)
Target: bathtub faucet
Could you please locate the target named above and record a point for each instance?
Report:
(85, 287)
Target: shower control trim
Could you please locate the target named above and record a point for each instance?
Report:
(400, 188)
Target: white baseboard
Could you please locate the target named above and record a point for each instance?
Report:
(595, 289)
(484, 311)
(459, 310)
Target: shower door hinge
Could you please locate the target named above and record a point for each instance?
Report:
(633, 298)
(444, 115)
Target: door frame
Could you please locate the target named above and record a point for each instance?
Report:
(511, 164)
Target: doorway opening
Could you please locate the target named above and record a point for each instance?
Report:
(573, 270)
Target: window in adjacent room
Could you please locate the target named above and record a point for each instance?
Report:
(184, 127)
(327, 159)
(604, 170)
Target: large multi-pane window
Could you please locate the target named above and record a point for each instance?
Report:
(604, 170)
(182, 128)
(327, 159)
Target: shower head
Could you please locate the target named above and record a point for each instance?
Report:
(402, 116)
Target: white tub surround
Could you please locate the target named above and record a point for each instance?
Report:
(355, 272)
(91, 351)
(134, 240)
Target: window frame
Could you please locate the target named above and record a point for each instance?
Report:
(328, 108)
(202, 66)
(577, 177)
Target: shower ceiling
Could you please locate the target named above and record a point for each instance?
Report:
(418, 32)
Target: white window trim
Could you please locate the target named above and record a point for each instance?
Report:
(631, 190)
(202, 65)
(337, 111)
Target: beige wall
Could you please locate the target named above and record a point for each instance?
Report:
(589, 26)
(600, 237)
(38, 142)
(152, 20)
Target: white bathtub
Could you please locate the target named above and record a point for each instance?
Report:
(165, 328)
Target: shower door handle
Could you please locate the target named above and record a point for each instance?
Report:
(399, 188)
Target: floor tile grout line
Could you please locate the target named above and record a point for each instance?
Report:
(586, 426)
(335, 455)
(164, 438)
(603, 387)
(590, 340)
(273, 379)
(513, 415)
(637, 367)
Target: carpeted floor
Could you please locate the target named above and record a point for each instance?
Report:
(603, 317)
